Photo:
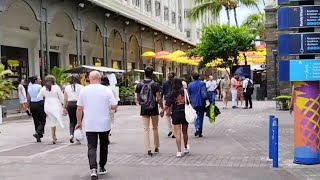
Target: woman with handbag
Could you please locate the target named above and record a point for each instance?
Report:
(71, 94)
(52, 104)
(176, 100)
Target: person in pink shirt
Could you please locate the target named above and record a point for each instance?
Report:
(234, 92)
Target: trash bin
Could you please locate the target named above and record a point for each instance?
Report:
(260, 94)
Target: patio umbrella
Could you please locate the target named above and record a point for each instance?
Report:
(163, 55)
(166, 57)
(178, 53)
(149, 54)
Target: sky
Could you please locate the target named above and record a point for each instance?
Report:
(242, 14)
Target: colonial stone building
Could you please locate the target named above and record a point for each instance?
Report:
(274, 86)
(75, 32)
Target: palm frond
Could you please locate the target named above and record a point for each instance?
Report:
(204, 6)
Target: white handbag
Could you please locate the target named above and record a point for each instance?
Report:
(191, 114)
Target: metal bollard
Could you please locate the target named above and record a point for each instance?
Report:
(275, 128)
(270, 136)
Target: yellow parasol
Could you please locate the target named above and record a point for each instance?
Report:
(149, 54)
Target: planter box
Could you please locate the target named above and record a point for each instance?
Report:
(283, 105)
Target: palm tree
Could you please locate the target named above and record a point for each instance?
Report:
(213, 6)
(246, 3)
(256, 23)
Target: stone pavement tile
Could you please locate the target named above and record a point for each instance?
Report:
(234, 147)
(134, 172)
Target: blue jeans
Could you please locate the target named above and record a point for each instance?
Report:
(212, 97)
(199, 121)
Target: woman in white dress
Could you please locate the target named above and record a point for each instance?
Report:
(53, 100)
(23, 97)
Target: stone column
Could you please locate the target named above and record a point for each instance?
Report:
(274, 87)
(170, 12)
(177, 13)
(129, 3)
(271, 44)
(182, 16)
(153, 8)
(162, 10)
(142, 6)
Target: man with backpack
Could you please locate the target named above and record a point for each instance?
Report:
(248, 91)
(148, 96)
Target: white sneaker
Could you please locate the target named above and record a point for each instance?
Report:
(102, 171)
(179, 154)
(94, 174)
(186, 150)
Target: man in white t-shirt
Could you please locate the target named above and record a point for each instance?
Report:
(95, 102)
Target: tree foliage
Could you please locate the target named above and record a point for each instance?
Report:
(223, 42)
(256, 23)
(216, 6)
(59, 74)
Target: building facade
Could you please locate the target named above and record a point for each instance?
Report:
(36, 35)
(113, 32)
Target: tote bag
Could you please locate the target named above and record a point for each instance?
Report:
(191, 114)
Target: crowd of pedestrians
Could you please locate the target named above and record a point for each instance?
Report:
(91, 108)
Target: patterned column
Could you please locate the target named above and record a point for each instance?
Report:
(306, 122)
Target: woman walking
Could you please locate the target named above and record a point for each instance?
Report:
(53, 104)
(23, 97)
(36, 107)
(176, 100)
(71, 94)
(240, 95)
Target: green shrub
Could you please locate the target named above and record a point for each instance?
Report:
(6, 85)
(283, 102)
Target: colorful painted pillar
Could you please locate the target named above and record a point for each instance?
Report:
(306, 122)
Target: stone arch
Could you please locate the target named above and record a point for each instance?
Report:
(67, 10)
(64, 39)
(33, 5)
(93, 44)
(134, 52)
(112, 31)
(115, 49)
(88, 20)
(19, 34)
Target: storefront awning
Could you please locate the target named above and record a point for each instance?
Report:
(142, 71)
(85, 68)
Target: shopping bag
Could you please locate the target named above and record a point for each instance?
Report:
(190, 113)
(79, 135)
(212, 112)
(212, 116)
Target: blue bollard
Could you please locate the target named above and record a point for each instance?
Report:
(270, 136)
(275, 128)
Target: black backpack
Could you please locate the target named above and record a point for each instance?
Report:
(250, 87)
(147, 99)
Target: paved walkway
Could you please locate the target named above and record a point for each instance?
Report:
(235, 147)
